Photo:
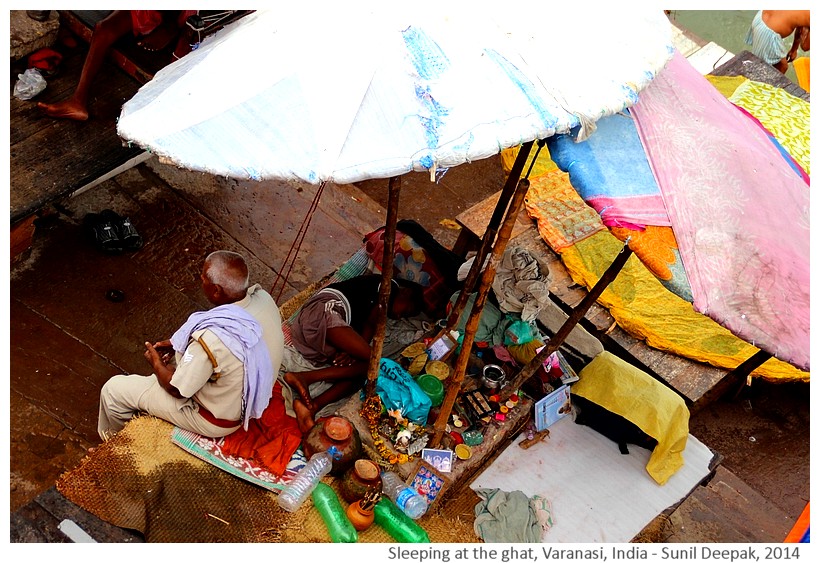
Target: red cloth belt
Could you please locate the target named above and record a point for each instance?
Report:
(221, 422)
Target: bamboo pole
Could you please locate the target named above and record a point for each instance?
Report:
(574, 318)
(454, 386)
(394, 187)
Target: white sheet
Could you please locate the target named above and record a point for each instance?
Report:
(597, 494)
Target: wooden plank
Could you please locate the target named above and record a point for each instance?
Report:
(22, 234)
(39, 522)
(475, 219)
(51, 158)
(748, 65)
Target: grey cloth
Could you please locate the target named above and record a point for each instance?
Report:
(506, 517)
(521, 283)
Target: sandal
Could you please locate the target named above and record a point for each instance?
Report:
(103, 233)
(127, 233)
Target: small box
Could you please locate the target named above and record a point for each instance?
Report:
(552, 408)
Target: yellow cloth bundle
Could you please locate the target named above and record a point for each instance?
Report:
(661, 413)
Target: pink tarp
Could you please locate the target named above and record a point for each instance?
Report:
(739, 212)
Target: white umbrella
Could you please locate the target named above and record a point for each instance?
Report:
(366, 89)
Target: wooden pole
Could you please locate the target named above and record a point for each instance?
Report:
(471, 326)
(489, 237)
(387, 277)
(574, 318)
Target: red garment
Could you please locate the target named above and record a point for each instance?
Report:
(45, 59)
(270, 440)
(144, 22)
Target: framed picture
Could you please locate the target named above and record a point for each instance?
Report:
(441, 460)
(428, 482)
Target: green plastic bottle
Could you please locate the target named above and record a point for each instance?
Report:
(332, 512)
(397, 523)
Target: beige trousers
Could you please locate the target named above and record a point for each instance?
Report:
(124, 396)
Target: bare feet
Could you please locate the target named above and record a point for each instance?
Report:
(158, 39)
(295, 382)
(304, 416)
(68, 109)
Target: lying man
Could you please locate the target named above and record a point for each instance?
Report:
(331, 342)
(222, 373)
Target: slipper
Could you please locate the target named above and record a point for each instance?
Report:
(127, 233)
(103, 233)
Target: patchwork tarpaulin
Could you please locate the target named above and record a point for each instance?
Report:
(360, 90)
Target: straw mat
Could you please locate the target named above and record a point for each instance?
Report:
(141, 480)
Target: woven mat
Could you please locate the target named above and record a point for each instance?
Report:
(142, 481)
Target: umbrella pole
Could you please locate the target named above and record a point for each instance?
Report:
(489, 236)
(574, 318)
(387, 276)
(471, 327)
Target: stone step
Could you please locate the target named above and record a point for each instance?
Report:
(726, 510)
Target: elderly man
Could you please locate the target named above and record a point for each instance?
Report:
(224, 366)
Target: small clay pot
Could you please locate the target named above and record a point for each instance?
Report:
(363, 475)
(359, 517)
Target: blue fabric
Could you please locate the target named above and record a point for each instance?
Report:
(611, 164)
(242, 335)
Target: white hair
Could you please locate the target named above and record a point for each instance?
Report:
(228, 270)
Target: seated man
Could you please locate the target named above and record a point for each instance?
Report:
(331, 342)
(225, 364)
(155, 30)
(768, 31)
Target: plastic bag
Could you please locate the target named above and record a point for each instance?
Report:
(399, 391)
(30, 84)
(518, 332)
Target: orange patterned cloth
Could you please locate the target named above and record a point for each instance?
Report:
(562, 216)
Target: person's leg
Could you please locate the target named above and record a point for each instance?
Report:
(119, 402)
(125, 396)
(305, 414)
(106, 32)
(301, 381)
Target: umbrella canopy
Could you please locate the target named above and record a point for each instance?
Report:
(360, 90)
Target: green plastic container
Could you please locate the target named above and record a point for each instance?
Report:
(338, 525)
(398, 524)
(432, 387)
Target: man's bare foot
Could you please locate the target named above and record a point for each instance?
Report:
(304, 416)
(68, 109)
(158, 39)
(295, 382)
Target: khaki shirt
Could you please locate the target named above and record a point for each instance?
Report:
(222, 393)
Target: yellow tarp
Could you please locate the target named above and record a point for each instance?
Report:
(661, 413)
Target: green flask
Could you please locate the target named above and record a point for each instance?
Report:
(397, 523)
(332, 512)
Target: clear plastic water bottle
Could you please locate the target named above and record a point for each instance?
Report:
(406, 497)
(298, 490)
